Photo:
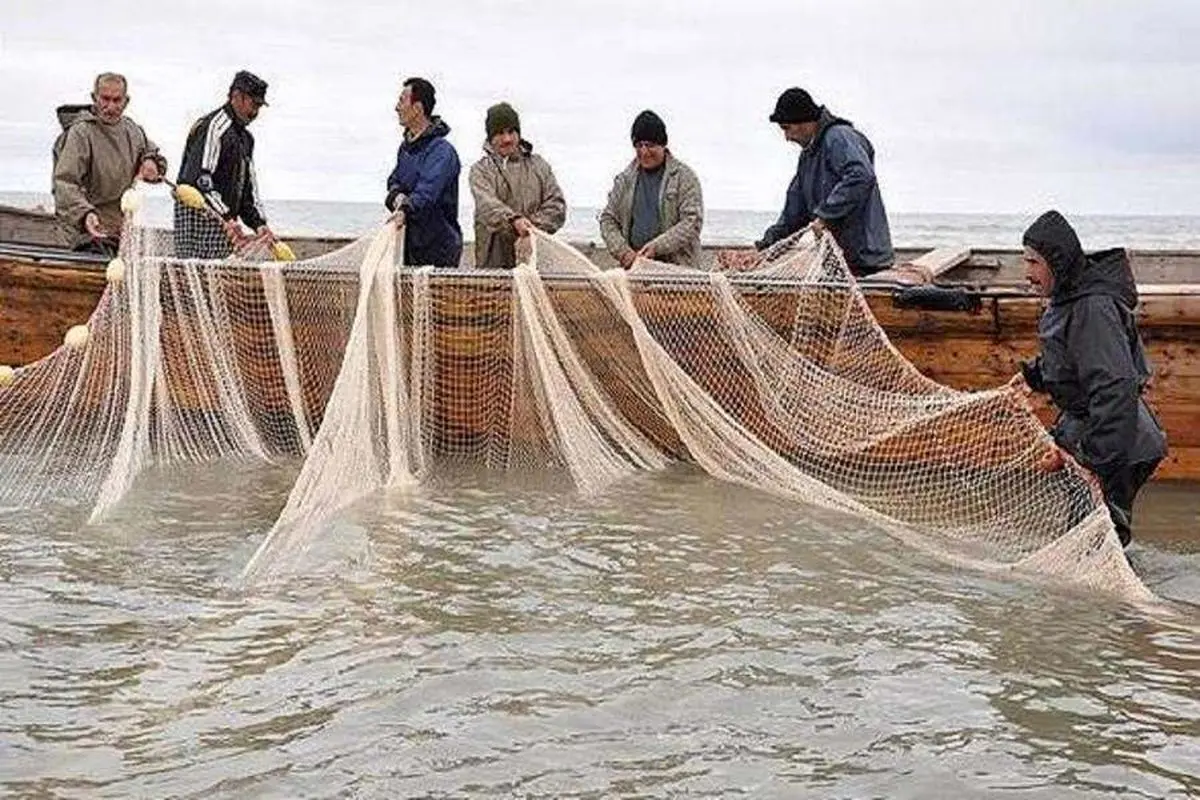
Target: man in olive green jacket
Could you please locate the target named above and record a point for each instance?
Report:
(514, 190)
(655, 209)
(96, 158)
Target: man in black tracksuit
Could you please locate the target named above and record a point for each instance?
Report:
(1092, 364)
(218, 160)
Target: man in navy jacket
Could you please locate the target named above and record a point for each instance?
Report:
(834, 188)
(422, 191)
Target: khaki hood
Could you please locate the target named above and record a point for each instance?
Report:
(71, 113)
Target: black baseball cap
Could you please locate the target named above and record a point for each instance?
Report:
(254, 86)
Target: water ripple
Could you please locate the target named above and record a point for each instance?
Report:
(485, 638)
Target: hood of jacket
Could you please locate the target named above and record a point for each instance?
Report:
(824, 123)
(1076, 274)
(71, 113)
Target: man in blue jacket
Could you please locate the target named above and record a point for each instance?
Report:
(422, 191)
(834, 187)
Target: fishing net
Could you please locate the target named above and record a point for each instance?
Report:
(376, 376)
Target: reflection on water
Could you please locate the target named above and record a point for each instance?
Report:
(492, 637)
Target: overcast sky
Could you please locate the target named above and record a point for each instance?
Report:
(995, 107)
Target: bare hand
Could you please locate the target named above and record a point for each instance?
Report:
(738, 260)
(1023, 394)
(91, 223)
(818, 227)
(1018, 383)
(1053, 460)
(266, 234)
(149, 171)
(233, 230)
(522, 226)
(397, 218)
(647, 251)
(627, 258)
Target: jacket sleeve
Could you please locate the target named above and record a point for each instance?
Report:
(680, 236)
(393, 185)
(70, 200)
(439, 169)
(552, 212)
(610, 224)
(211, 143)
(494, 213)
(1108, 377)
(251, 211)
(1031, 371)
(851, 164)
(795, 215)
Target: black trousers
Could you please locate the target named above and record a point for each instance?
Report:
(1119, 490)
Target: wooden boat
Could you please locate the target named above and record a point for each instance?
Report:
(28, 226)
(44, 291)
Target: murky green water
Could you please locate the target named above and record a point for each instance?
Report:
(488, 638)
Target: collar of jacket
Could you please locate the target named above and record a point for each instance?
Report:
(437, 128)
(824, 123)
(670, 166)
(524, 150)
(233, 116)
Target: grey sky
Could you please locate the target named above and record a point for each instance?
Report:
(1008, 106)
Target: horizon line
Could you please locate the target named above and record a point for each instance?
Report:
(904, 212)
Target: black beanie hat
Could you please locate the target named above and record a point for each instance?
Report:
(795, 105)
(500, 118)
(649, 127)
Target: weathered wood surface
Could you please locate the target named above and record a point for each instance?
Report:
(33, 226)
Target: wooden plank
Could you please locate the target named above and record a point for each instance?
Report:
(940, 261)
(1159, 289)
(924, 268)
(1181, 463)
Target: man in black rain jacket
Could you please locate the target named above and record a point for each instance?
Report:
(1092, 363)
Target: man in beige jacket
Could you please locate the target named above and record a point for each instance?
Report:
(514, 190)
(96, 158)
(655, 209)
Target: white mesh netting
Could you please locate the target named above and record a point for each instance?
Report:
(376, 375)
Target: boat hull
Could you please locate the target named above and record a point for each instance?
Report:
(43, 297)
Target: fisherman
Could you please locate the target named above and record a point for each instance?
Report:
(514, 189)
(422, 191)
(1092, 364)
(96, 157)
(834, 187)
(218, 160)
(655, 209)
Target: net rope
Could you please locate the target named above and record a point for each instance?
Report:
(375, 376)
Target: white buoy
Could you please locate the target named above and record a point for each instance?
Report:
(77, 337)
(115, 272)
(131, 201)
(7, 374)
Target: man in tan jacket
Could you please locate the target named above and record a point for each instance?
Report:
(655, 209)
(96, 158)
(514, 190)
